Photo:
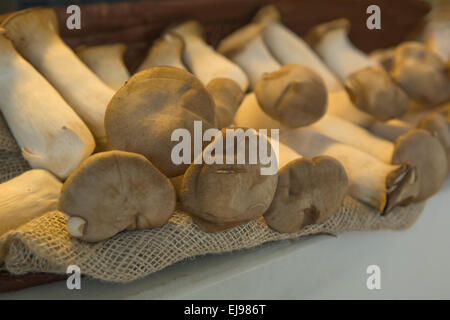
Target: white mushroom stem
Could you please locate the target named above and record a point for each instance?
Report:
(107, 63)
(370, 179)
(288, 47)
(355, 136)
(341, 56)
(26, 197)
(203, 60)
(380, 185)
(246, 48)
(49, 133)
(339, 104)
(34, 33)
(390, 130)
(250, 115)
(165, 51)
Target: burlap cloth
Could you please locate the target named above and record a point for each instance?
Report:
(44, 245)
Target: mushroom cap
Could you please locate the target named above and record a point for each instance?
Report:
(426, 153)
(236, 42)
(421, 73)
(373, 91)
(38, 21)
(438, 126)
(115, 191)
(316, 34)
(267, 14)
(385, 57)
(225, 195)
(143, 114)
(294, 95)
(227, 95)
(309, 191)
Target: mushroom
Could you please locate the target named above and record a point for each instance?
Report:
(34, 33)
(26, 197)
(287, 47)
(380, 185)
(115, 191)
(417, 147)
(384, 57)
(165, 51)
(203, 60)
(223, 194)
(370, 87)
(293, 96)
(107, 63)
(50, 134)
(227, 97)
(246, 48)
(143, 115)
(383, 186)
(434, 123)
(308, 191)
(421, 73)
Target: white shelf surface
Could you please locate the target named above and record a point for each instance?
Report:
(415, 264)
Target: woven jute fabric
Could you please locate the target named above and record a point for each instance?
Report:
(44, 245)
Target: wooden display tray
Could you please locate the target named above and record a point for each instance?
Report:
(138, 23)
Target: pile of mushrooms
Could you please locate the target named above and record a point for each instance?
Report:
(110, 152)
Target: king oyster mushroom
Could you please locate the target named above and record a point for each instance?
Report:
(114, 191)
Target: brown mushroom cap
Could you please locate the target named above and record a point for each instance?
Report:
(309, 191)
(115, 191)
(385, 57)
(373, 91)
(421, 73)
(294, 95)
(221, 196)
(143, 114)
(426, 153)
(438, 126)
(227, 95)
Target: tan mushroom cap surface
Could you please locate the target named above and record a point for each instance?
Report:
(222, 196)
(437, 125)
(115, 191)
(294, 95)
(426, 153)
(227, 95)
(373, 91)
(309, 191)
(421, 73)
(143, 114)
